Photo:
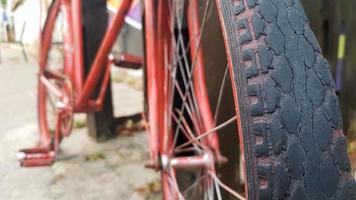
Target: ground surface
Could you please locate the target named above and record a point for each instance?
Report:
(85, 170)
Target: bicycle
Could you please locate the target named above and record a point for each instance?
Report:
(289, 124)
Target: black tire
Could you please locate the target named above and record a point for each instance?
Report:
(292, 127)
(101, 125)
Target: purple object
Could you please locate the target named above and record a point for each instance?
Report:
(134, 17)
(135, 13)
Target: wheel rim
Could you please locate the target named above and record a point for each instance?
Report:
(55, 112)
(185, 119)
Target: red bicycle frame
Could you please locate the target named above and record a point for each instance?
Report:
(156, 17)
(156, 30)
(74, 65)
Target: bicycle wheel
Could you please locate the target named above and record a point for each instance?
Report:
(287, 112)
(55, 92)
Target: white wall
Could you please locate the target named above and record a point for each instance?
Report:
(29, 12)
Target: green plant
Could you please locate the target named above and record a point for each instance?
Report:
(3, 3)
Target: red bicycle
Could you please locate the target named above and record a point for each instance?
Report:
(261, 53)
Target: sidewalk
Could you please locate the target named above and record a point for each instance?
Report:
(85, 169)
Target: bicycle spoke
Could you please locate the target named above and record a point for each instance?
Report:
(189, 108)
(228, 122)
(225, 187)
(193, 65)
(193, 185)
(186, 150)
(185, 120)
(221, 92)
(185, 124)
(184, 71)
(210, 189)
(187, 132)
(173, 182)
(217, 188)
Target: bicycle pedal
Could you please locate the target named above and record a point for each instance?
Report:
(36, 157)
(128, 61)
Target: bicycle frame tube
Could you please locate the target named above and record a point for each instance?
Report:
(101, 59)
(155, 33)
(74, 60)
(78, 72)
(164, 38)
(154, 96)
(101, 63)
(155, 73)
(201, 91)
(68, 41)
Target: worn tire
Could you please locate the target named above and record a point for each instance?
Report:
(292, 128)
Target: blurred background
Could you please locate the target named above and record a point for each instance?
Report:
(115, 168)
(334, 23)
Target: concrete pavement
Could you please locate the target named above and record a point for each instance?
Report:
(85, 169)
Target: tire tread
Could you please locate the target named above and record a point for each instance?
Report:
(293, 125)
